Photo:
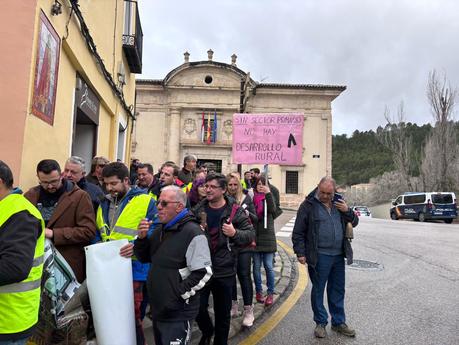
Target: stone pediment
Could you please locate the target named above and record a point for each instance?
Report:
(206, 74)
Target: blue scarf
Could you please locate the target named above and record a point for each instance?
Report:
(176, 219)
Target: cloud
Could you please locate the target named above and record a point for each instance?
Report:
(382, 51)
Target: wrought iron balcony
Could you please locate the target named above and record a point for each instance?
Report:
(132, 36)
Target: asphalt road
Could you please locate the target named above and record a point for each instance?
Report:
(413, 298)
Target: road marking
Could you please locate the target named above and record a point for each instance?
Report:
(283, 234)
(264, 329)
(287, 229)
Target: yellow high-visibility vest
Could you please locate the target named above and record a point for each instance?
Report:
(127, 222)
(19, 302)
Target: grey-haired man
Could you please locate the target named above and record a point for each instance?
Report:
(74, 171)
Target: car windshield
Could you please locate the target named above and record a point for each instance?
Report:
(362, 209)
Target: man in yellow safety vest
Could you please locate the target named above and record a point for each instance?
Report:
(21, 262)
(118, 217)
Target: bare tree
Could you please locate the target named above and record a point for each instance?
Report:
(388, 185)
(441, 152)
(395, 137)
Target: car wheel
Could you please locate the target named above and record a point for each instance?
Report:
(393, 216)
(448, 221)
(421, 217)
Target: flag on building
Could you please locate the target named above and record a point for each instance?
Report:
(214, 130)
(203, 129)
(208, 129)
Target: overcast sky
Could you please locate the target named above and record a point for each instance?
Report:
(381, 50)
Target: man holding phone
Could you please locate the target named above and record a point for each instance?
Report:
(319, 241)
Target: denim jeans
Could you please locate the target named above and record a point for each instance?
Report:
(243, 274)
(329, 271)
(267, 259)
(14, 342)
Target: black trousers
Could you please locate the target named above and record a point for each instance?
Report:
(172, 333)
(244, 265)
(221, 289)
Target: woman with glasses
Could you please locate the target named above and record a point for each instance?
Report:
(266, 246)
(244, 257)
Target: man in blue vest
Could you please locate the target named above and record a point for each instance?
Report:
(21, 262)
(118, 217)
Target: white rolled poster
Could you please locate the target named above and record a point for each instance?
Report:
(110, 288)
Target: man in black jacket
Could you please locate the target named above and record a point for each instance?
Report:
(226, 225)
(181, 266)
(21, 262)
(319, 240)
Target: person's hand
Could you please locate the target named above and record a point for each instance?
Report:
(265, 189)
(341, 205)
(142, 229)
(228, 229)
(302, 260)
(49, 233)
(127, 250)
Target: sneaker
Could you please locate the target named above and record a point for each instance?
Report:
(344, 330)
(259, 297)
(247, 316)
(269, 300)
(235, 309)
(320, 331)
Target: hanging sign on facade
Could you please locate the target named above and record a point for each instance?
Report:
(268, 138)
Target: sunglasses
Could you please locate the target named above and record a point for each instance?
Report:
(164, 203)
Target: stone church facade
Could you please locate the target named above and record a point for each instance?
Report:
(169, 120)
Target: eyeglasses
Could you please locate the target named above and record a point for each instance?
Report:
(49, 183)
(164, 203)
(211, 186)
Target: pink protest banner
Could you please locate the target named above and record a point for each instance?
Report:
(268, 138)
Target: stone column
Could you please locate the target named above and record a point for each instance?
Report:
(174, 136)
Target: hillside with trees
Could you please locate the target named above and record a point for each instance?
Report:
(404, 157)
(362, 156)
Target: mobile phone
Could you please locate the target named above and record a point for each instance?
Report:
(337, 197)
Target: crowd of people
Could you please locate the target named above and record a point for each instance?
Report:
(191, 232)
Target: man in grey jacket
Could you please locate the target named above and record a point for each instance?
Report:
(319, 240)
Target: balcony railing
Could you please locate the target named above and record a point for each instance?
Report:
(132, 36)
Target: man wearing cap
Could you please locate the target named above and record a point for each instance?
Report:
(95, 175)
(22, 238)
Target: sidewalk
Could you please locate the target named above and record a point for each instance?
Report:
(282, 270)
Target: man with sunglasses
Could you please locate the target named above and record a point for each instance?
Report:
(120, 216)
(181, 266)
(68, 214)
(226, 226)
